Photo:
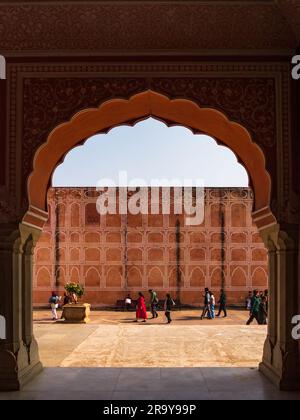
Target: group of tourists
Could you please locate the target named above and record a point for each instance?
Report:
(56, 300)
(210, 304)
(141, 309)
(257, 304)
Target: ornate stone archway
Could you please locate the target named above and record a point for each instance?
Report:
(243, 72)
(184, 112)
(280, 349)
(115, 112)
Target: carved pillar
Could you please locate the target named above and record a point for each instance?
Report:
(29, 237)
(281, 358)
(273, 298)
(19, 359)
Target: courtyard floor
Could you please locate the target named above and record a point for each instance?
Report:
(112, 339)
(112, 358)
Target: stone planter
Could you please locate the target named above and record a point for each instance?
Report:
(77, 313)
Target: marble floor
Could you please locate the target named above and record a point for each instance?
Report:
(113, 358)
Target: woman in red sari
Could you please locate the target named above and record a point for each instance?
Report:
(141, 311)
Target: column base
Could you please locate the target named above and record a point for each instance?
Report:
(282, 382)
(17, 381)
(15, 372)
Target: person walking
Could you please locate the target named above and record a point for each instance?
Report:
(255, 295)
(262, 311)
(153, 303)
(53, 300)
(206, 304)
(254, 308)
(222, 304)
(168, 305)
(141, 311)
(212, 305)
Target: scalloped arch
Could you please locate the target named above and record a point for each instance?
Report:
(112, 113)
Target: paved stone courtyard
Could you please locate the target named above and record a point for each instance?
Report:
(112, 339)
(113, 358)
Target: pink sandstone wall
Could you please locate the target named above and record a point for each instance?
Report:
(115, 254)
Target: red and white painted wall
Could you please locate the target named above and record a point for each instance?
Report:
(116, 254)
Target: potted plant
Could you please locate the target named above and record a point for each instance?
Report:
(76, 312)
(75, 291)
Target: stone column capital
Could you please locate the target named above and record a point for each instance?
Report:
(29, 233)
(281, 237)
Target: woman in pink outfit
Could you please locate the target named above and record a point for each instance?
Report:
(141, 311)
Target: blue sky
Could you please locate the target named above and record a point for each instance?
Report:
(151, 150)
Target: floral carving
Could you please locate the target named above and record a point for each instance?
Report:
(50, 101)
(248, 101)
(124, 26)
(8, 212)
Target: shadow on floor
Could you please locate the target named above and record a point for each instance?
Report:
(211, 383)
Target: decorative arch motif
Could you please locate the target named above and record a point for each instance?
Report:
(173, 278)
(134, 277)
(61, 214)
(92, 254)
(92, 277)
(216, 277)
(238, 215)
(43, 254)
(117, 112)
(259, 277)
(114, 277)
(155, 277)
(74, 275)
(239, 277)
(75, 215)
(43, 277)
(197, 278)
(74, 254)
(60, 276)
